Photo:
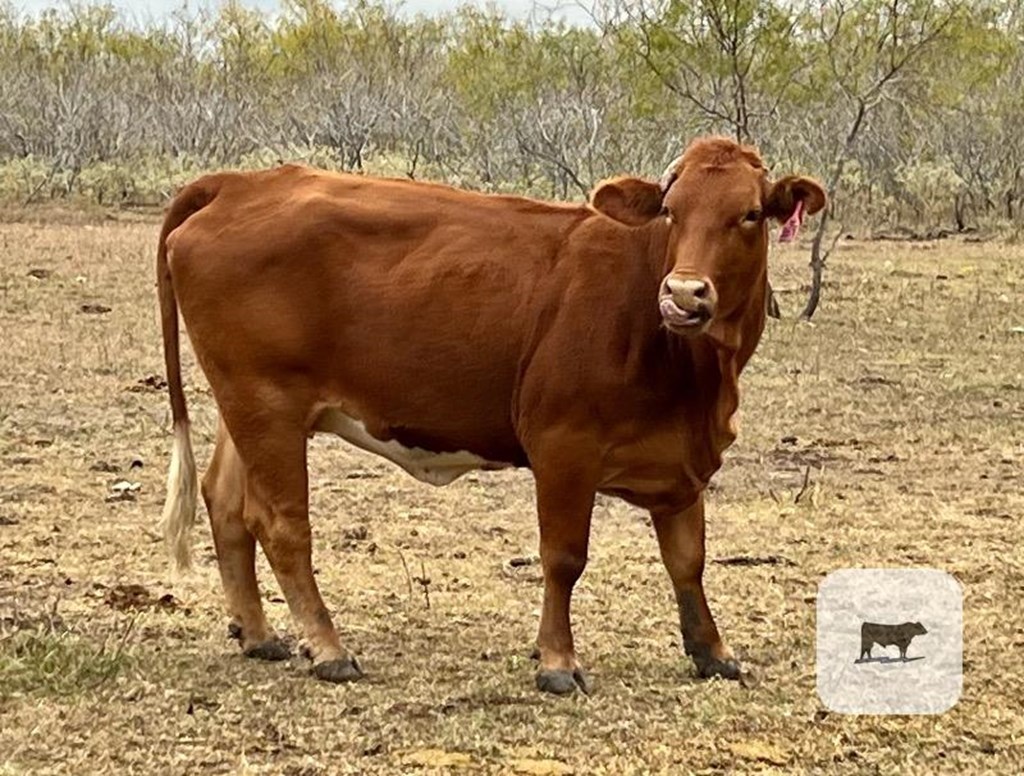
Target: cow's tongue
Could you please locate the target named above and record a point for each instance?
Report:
(672, 313)
(791, 228)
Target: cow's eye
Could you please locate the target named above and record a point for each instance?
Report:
(752, 216)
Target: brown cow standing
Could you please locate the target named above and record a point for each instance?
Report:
(598, 344)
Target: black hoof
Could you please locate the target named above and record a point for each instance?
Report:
(727, 669)
(344, 669)
(562, 682)
(234, 631)
(271, 650)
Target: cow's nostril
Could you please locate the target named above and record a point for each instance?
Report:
(696, 289)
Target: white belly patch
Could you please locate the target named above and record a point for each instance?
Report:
(424, 465)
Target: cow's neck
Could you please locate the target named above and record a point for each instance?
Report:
(703, 372)
(734, 342)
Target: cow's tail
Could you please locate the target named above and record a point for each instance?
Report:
(179, 513)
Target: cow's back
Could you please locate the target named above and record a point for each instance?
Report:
(409, 305)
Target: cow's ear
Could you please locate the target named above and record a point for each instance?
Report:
(786, 193)
(630, 201)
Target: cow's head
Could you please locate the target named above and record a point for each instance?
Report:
(716, 202)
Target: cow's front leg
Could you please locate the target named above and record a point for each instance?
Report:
(681, 539)
(565, 500)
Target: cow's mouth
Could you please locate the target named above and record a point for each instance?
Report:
(683, 321)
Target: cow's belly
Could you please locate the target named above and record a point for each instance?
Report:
(425, 465)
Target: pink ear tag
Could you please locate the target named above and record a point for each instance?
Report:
(793, 223)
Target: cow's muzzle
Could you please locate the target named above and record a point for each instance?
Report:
(687, 304)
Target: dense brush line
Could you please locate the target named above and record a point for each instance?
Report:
(109, 109)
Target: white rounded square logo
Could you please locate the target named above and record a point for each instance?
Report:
(890, 641)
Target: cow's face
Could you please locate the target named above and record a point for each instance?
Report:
(716, 202)
(719, 203)
(919, 629)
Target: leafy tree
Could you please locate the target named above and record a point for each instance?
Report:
(865, 50)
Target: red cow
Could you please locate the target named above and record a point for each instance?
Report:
(598, 344)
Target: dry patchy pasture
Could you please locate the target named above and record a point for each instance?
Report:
(901, 407)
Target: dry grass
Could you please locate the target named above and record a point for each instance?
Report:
(904, 401)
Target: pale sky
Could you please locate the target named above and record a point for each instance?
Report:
(145, 9)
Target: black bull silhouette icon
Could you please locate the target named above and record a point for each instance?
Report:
(872, 633)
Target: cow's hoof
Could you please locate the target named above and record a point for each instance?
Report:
(727, 669)
(345, 669)
(563, 682)
(272, 650)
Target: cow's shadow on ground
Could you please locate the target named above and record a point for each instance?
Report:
(884, 660)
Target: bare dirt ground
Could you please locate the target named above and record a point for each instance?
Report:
(902, 405)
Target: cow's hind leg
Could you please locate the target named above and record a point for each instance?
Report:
(224, 494)
(681, 540)
(277, 509)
